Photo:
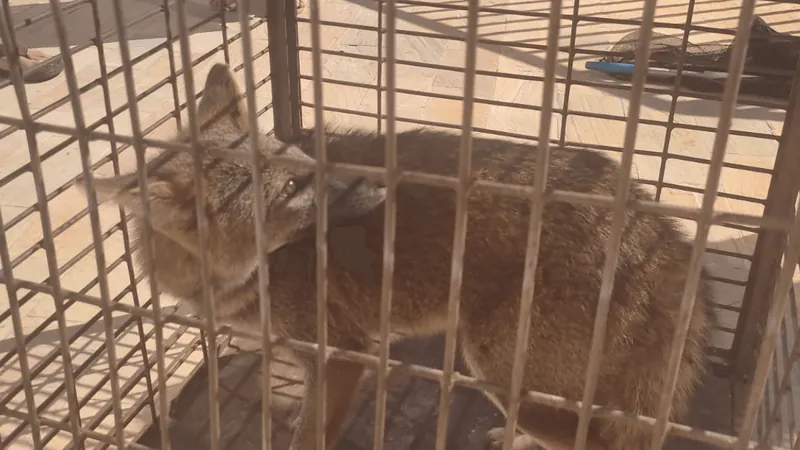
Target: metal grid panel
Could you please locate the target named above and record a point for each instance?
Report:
(109, 423)
(662, 157)
(114, 356)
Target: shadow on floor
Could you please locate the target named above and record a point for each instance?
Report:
(411, 408)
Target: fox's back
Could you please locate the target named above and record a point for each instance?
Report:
(652, 262)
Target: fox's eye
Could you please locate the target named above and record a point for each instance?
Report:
(289, 189)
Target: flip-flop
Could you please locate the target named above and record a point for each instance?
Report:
(37, 67)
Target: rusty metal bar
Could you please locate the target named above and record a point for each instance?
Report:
(19, 336)
(202, 225)
(321, 198)
(78, 48)
(94, 218)
(759, 298)
(614, 242)
(9, 39)
(460, 36)
(389, 220)
(619, 86)
(379, 77)
(279, 67)
(770, 244)
(226, 53)
(293, 64)
(673, 104)
(388, 174)
(487, 101)
(168, 43)
(568, 82)
(98, 40)
(583, 18)
(63, 100)
(460, 232)
(522, 343)
(718, 440)
(46, 421)
(513, 190)
(259, 215)
(148, 247)
(727, 109)
(780, 297)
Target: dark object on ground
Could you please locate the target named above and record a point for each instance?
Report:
(37, 66)
(232, 5)
(771, 56)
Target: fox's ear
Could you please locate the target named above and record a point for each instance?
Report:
(222, 97)
(167, 210)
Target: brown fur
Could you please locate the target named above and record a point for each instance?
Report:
(644, 305)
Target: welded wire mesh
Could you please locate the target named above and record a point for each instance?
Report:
(96, 354)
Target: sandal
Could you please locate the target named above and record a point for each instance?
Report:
(37, 66)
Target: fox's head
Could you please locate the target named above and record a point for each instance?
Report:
(288, 193)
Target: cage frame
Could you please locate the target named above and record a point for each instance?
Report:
(772, 282)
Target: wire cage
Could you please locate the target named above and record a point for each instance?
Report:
(94, 356)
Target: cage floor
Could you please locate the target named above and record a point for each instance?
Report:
(507, 101)
(412, 406)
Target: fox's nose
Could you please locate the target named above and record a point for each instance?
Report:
(353, 197)
(339, 190)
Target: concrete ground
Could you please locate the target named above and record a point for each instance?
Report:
(596, 120)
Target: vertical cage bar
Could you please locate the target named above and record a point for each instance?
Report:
(460, 230)
(389, 220)
(673, 105)
(173, 76)
(379, 90)
(777, 309)
(259, 214)
(202, 227)
(293, 64)
(618, 218)
(226, 51)
(770, 244)
(94, 219)
(790, 356)
(98, 41)
(321, 195)
(148, 247)
(787, 390)
(774, 383)
(765, 308)
(573, 36)
(727, 110)
(778, 415)
(279, 67)
(534, 226)
(19, 337)
(9, 41)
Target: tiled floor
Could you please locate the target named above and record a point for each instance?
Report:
(505, 78)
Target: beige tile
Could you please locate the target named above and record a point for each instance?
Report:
(450, 111)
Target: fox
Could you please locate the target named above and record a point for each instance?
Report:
(645, 301)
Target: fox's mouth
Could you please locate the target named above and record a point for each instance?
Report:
(339, 199)
(354, 200)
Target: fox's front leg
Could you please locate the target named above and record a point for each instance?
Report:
(342, 381)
